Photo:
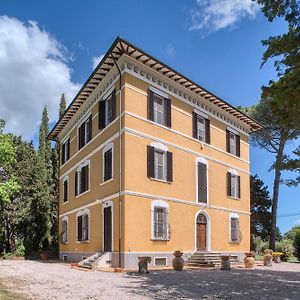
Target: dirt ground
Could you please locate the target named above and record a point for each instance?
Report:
(54, 280)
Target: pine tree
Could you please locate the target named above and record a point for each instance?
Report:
(260, 204)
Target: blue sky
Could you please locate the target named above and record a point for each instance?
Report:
(216, 43)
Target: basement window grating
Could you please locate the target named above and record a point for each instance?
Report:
(160, 261)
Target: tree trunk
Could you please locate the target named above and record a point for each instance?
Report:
(277, 177)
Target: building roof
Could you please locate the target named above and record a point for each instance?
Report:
(120, 47)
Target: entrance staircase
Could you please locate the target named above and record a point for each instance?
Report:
(208, 259)
(97, 260)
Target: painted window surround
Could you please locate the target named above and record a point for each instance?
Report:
(85, 163)
(108, 203)
(163, 204)
(235, 173)
(81, 213)
(233, 215)
(106, 148)
(208, 229)
(203, 161)
(164, 149)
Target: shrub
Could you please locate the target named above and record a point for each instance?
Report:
(256, 243)
(296, 244)
(20, 251)
(286, 247)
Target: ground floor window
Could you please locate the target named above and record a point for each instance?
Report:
(64, 231)
(83, 225)
(160, 211)
(234, 228)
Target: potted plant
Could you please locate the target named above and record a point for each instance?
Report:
(225, 262)
(268, 257)
(178, 262)
(249, 260)
(277, 256)
(143, 264)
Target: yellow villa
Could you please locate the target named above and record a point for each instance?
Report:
(151, 162)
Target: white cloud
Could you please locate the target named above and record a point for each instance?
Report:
(213, 15)
(170, 50)
(297, 222)
(34, 72)
(96, 60)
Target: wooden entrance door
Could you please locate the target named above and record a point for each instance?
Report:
(201, 232)
(107, 229)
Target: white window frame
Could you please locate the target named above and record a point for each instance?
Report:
(84, 120)
(65, 236)
(106, 204)
(79, 168)
(109, 98)
(203, 161)
(107, 147)
(203, 130)
(234, 216)
(85, 211)
(156, 111)
(158, 147)
(164, 205)
(234, 178)
(64, 142)
(66, 178)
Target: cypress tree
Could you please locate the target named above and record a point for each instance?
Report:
(56, 165)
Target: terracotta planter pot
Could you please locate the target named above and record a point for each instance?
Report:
(276, 259)
(178, 262)
(225, 262)
(249, 260)
(268, 260)
(143, 264)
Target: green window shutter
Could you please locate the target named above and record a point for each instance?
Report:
(150, 161)
(150, 105)
(169, 166)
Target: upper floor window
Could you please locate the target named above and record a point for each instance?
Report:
(64, 230)
(234, 228)
(159, 108)
(160, 211)
(82, 179)
(233, 184)
(108, 162)
(66, 189)
(85, 132)
(232, 143)
(65, 151)
(202, 180)
(201, 128)
(83, 225)
(159, 162)
(107, 110)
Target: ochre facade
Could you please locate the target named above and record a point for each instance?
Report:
(131, 193)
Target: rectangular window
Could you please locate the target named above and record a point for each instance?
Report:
(82, 180)
(234, 230)
(159, 164)
(85, 132)
(233, 185)
(65, 151)
(233, 143)
(108, 164)
(107, 110)
(65, 231)
(65, 190)
(160, 223)
(159, 109)
(202, 182)
(83, 227)
(201, 128)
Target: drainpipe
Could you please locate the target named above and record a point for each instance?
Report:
(120, 162)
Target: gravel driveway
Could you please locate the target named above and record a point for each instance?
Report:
(40, 280)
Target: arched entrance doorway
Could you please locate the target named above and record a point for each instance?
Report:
(201, 232)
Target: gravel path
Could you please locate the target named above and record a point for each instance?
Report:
(40, 280)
